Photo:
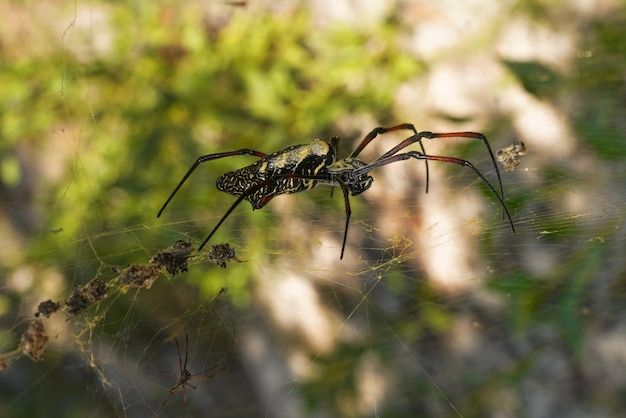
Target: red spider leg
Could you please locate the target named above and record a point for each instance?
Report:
(220, 362)
(263, 202)
(210, 157)
(431, 135)
(185, 375)
(379, 131)
(419, 156)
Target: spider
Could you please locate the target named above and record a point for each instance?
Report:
(185, 376)
(511, 156)
(302, 167)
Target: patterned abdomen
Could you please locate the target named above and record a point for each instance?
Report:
(307, 159)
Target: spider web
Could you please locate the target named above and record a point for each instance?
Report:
(437, 309)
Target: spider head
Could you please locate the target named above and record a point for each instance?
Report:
(360, 184)
(347, 171)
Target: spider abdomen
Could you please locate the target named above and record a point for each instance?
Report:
(305, 159)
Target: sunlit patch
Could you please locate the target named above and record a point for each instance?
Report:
(301, 311)
(450, 253)
(372, 383)
(21, 279)
(554, 139)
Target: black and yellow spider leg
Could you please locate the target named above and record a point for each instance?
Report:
(380, 131)
(346, 200)
(432, 135)
(268, 182)
(419, 156)
(334, 144)
(210, 157)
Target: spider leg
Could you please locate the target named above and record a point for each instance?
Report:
(334, 144)
(419, 156)
(158, 411)
(432, 135)
(212, 370)
(182, 366)
(228, 212)
(253, 190)
(348, 213)
(176, 388)
(380, 130)
(185, 377)
(186, 352)
(267, 182)
(205, 158)
(219, 363)
(184, 402)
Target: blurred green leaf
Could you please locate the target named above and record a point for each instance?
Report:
(537, 78)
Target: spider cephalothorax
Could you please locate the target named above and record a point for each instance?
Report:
(345, 172)
(302, 167)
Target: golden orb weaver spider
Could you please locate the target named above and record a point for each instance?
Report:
(302, 167)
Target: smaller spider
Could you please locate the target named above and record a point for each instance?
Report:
(185, 376)
(511, 156)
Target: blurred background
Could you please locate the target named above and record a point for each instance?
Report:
(437, 308)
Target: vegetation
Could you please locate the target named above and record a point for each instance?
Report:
(104, 106)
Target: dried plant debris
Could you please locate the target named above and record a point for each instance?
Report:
(77, 302)
(4, 362)
(174, 259)
(511, 156)
(82, 297)
(95, 290)
(221, 253)
(140, 276)
(47, 308)
(34, 340)
(237, 3)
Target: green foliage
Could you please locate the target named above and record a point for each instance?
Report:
(99, 124)
(558, 300)
(538, 79)
(170, 87)
(600, 75)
